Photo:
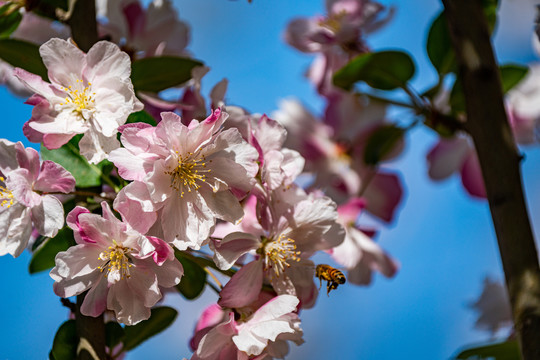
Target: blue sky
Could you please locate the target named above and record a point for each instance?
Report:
(443, 239)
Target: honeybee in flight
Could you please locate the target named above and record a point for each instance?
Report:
(333, 277)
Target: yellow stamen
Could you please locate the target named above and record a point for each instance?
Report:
(189, 172)
(116, 260)
(79, 99)
(6, 196)
(278, 253)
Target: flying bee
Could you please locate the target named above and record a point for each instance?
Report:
(333, 277)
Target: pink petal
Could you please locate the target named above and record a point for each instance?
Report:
(134, 204)
(48, 217)
(63, 61)
(447, 157)
(54, 178)
(229, 250)
(243, 287)
(383, 195)
(471, 177)
(28, 159)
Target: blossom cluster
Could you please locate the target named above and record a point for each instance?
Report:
(252, 196)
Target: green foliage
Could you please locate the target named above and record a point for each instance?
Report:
(43, 257)
(10, 17)
(114, 334)
(24, 55)
(46, 8)
(161, 318)
(159, 73)
(141, 116)
(511, 75)
(68, 156)
(508, 350)
(384, 70)
(381, 143)
(439, 46)
(194, 278)
(65, 342)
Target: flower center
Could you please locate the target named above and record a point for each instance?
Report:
(278, 253)
(79, 99)
(6, 196)
(116, 262)
(189, 172)
(333, 22)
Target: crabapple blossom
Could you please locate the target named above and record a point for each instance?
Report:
(190, 175)
(292, 226)
(492, 307)
(154, 31)
(259, 331)
(24, 202)
(358, 253)
(121, 268)
(89, 94)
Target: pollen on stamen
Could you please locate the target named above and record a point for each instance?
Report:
(189, 173)
(6, 196)
(278, 254)
(116, 260)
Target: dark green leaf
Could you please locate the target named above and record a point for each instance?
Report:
(159, 73)
(43, 257)
(501, 351)
(65, 342)
(68, 156)
(24, 55)
(10, 17)
(490, 9)
(194, 279)
(457, 98)
(439, 46)
(511, 75)
(46, 8)
(161, 318)
(114, 334)
(381, 143)
(385, 70)
(141, 116)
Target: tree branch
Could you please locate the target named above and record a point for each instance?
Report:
(499, 160)
(81, 18)
(91, 332)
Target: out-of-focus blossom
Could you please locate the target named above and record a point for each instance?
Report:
(292, 227)
(334, 152)
(249, 332)
(188, 174)
(336, 37)
(523, 107)
(358, 253)
(492, 307)
(24, 201)
(154, 31)
(121, 268)
(89, 94)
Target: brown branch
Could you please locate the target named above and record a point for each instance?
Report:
(91, 333)
(499, 160)
(81, 18)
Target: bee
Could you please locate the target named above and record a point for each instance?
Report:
(333, 277)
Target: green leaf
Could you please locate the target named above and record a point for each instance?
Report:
(65, 342)
(68, 156)
(194, 279)
(511, 75)
(43, 257)
(161, 318)
(114, 334)
(141, 116)
(381, 143)
(10, 17)
(159, 73)
(24, 55)
(490, 9)
(439, 46)
(385, 70)
(508, 350)
(457, 98)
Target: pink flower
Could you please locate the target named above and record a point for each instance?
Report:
(24, 202)
(190, 175)
(258, 332)
(293, 226)
(89, 94)
(457, 155)
(121, 268)
(154, 31)
(358, 253)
